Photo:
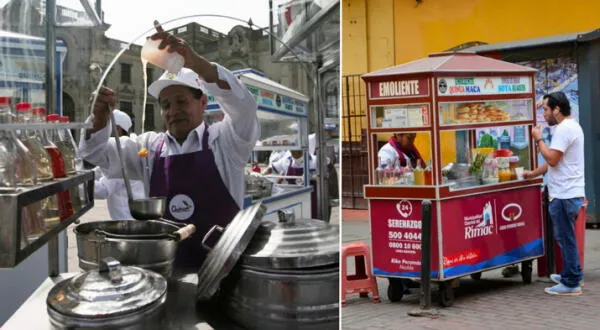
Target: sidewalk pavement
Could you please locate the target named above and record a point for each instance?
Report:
(490, 303)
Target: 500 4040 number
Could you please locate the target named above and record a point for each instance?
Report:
(398, 235)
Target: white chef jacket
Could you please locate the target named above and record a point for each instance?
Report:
(283, 164)
(230, 140)
(277, 155)
(113, 190)
(388, 154)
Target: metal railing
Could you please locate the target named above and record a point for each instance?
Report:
(353, 123)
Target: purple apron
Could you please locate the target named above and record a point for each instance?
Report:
(294, 171)
(195, 194)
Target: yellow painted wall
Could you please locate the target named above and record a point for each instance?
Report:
(381, 33)
(438, 25)
(368, 35)
(354, 37)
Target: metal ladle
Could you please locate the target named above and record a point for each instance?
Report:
(141, 209)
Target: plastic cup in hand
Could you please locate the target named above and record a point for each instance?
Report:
(519, 171)
(172, 62)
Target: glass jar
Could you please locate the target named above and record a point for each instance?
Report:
(513, 164)
(419, 174)
(490, 171)
(504, 174)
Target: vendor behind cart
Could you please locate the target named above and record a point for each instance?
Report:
(293, 165)
(400, 148)
(199, 168)
(109, 183)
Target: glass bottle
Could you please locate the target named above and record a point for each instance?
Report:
(409, 173)
(8, 177)
(42, 161)
(388, 173)
(32, 223)
(379, 173)
(35, 213)
(513, 164)
(58, 166)
(70, 147)
(398, 173)
(428, 174)
(25, 170)
(419, 174)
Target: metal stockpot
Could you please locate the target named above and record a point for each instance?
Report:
(149, 244)
(112, 297)
(288, 277)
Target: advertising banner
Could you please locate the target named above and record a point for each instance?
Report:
(491, 230)
(461, 86)
(396, 235)
(479, 232)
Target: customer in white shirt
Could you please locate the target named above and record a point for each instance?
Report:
(566, 186)
(199, 168)
(109, 183)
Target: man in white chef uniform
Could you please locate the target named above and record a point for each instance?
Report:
(109, 182)
(197, 167)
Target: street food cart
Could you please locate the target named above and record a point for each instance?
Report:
(472, 117)
(283, 117)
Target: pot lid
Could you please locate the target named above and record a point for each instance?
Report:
(228, 249)
(293, 243)
(110, 291)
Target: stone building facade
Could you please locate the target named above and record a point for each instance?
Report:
(90, 52)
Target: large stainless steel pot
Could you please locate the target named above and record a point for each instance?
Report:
(288, 277)
(112, 297)
(149, 244)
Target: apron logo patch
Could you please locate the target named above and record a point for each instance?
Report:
(181, 207)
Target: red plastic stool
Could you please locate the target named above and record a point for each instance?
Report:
(363, 281)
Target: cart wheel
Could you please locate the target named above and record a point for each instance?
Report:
(446, 293)
(395, 290)
(476, 276)
(526, 270)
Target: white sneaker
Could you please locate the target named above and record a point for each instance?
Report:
(562, 290)
(556, 279)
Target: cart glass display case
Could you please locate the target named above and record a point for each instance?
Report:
(485, 112)
(400, 116)
(414, 167)
(485, 156)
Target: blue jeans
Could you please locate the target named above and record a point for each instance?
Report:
(564, 213)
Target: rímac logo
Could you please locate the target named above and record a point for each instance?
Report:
(480, 224)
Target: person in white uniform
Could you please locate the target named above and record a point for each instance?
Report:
(293, 165)
(198, 168)
(109, 183)
(400, 148)
(277, 155)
